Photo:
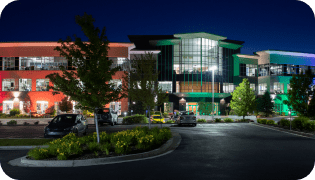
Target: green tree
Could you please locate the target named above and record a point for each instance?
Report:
(264, 104)
(65, 105)
(143, 85)
(93, 69)
(301, 89)
(243, 99)
(205, 107)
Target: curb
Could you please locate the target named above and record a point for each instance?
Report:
(21, 147)
(166, 148)
(307, 135)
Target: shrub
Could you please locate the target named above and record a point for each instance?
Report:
(217, 120)
(13, 112)
(202, 120)
(36, 122)
(228, 120)
(263, 121)
(166, 115)
(93, 146)
(105, 148)
(270, 122)
(135, 119)
(284, 122)
(300, 122)
(282, 114)
(12, 122)
(310, 125)
(26, 123)
(170, 121)
(38, 153)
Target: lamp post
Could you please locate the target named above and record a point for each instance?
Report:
(290, 118)
(212, 69)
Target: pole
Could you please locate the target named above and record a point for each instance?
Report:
(290, 118)
(212, 94)
(96, 125)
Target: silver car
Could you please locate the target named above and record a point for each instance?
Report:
(107, 115)
(186, 117)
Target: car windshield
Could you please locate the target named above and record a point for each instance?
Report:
(64, 119)
(187, 113)
(157, 117)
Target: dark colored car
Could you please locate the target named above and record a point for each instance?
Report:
(107, 115)
(64, 124)
(186, 117)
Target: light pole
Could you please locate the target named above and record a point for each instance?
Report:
(290, 118)
(212, 69)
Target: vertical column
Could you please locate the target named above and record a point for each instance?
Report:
(16, 63)
(1, 63)
(201, 64)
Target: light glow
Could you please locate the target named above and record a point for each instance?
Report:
(213, 68)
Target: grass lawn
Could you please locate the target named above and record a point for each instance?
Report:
(23, 142)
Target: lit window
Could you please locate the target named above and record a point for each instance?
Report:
(42, 84)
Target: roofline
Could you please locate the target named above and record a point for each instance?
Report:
(55, 43)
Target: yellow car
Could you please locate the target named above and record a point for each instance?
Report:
(157, 118)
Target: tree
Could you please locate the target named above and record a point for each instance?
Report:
(243, 99)
(205, 107)
(264, 104)
(65, 105)
(93, 69)
(143, 85)
(302, 89)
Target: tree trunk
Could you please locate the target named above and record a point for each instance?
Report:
(149, 118)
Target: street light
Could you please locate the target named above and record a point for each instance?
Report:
(290, 118)
(212, 69)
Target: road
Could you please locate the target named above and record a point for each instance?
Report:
(208, 151)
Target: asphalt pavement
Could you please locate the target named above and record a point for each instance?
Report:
(208, 151)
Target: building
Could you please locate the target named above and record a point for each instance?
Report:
(184, 62)
(24, 65)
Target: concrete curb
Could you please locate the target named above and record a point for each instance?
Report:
(307, 135)
(166, 148)
(21, 147)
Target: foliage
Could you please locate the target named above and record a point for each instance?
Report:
(217, 120)
(12, 122)
(263, 121)
(26, 123)
(205, 107)
(243, 99)
(143, 82)
(228, 120)
(14, 112)
(65, 105)
(270, 122)
(282, 114)
(264, 104)
(135, 119)
(170, 121)
(167, 107)
(202, 120)
(284, 122)
(310, 126)
(300, 122)
(166, 115)
(298, 96)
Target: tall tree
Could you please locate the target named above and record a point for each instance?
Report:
(243, 99)
(264, 104)
(93, 69)
(143, 84)
(301, 89)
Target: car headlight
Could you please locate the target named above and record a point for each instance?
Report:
(68, 129)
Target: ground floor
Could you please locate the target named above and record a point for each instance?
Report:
(44, 103)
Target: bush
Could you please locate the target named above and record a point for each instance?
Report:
(310, 125)
(166, 115)
(202, 120)
(38, 153)
(135, 119)
(26, 123)
(300, 122)
(270, 122)
(13, 112)
(228, 120)
(217, 120)
(12, 122)
(36, 122)
(284, 122)
(263, 121)
(282, 114)
(170, 121)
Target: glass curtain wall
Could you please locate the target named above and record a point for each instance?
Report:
(195, 57)
(42, 63)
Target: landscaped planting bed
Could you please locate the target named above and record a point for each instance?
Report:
(71, 147)
(300, 124)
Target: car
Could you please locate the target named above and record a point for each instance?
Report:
(186, 117)
(107, 115)
(157, 118)
(64, 124)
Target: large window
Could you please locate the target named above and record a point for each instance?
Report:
(8, 63)
(263, 70)
(276, 69)
(278, 87)
(41, 107)
(8, 85)
(116, 83)
(166, 86)
(42, 84)
(252, 86)
(262, 88)
(248, 70)
(7, 106)
(228, 87)
(25, 84)
(42, 63)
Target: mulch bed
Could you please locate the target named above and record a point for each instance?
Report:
(91, 155)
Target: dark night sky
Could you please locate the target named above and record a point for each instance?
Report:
(287, 25)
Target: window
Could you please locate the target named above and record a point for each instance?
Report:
(228, 87)
(41, 107)
(166, 86)
(278, 87)
(7, 106)
(8, 63)
(42, 84)
(252, 86)
(247, 70)
(263, 70)
(262, 88)
(25, 84)
(116, 83)
(116, 106)
(276, 69)
(177, 87)
(8, 85)
(42, 63)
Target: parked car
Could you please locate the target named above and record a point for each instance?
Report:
(64, 124)
(107, 115)
(157, 118)
(186, 117)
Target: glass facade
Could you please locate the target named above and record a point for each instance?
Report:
(262, 87)
(42, 63)
(42, 84)
(278, 88)
(166, 86)
(248, 70)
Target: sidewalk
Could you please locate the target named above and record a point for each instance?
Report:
(31, 121)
